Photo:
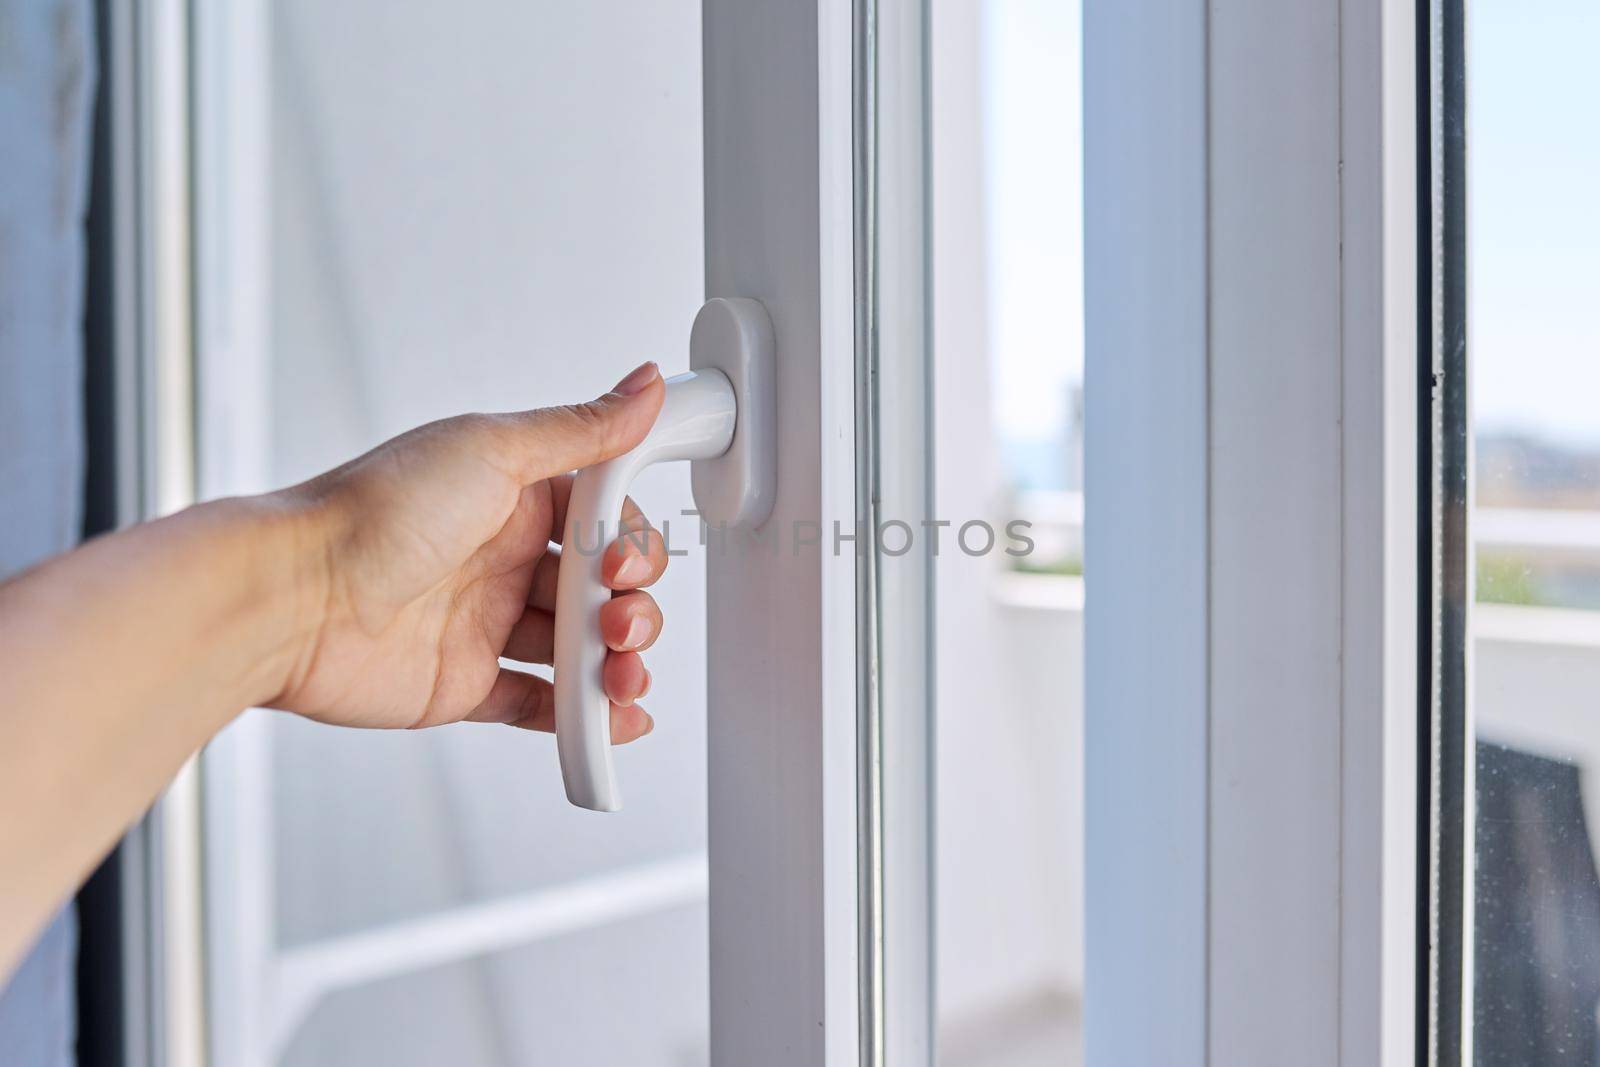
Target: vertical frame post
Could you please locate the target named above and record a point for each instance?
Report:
(903, 424)
(1251, 531)
(1146, 534)
(779, 217)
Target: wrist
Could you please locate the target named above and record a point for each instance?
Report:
(281, 547)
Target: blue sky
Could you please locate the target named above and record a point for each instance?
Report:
(1033, 134)
(1534, 213)
(1533, 188)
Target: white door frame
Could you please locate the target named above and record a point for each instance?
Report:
(1251, 366)
(782, 717)
(820, 717)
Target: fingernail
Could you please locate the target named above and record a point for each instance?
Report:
(648, 678)
(636, 382)
(638, 630)
(633, 570)
(649, 724)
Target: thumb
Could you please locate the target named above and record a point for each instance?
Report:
(546, 442)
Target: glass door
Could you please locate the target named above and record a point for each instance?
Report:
(406, 211)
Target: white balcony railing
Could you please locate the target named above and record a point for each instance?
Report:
(1555, 535)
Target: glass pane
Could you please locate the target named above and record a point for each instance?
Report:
(478, 207)
(1532, 166)
(477, 210)
(1008, 386)
(565, 1000)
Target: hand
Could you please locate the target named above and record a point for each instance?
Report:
(435, 560)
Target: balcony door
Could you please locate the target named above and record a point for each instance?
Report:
(352, 218)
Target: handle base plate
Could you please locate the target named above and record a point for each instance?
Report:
(737, 488)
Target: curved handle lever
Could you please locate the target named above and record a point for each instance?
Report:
(720, 411)
(696, 422)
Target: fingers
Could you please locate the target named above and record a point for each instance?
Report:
(560, 492)
(542, 590)
(629, 724)
(549, 441)
(638, 557)
(528, 702)
(625, 677)
(634, 526)
(532, 638)
(518, 698)
(630, 622)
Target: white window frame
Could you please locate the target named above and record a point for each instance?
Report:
(779, 216)
(821, 831)
(1252, 708)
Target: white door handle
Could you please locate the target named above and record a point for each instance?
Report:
(719, 415)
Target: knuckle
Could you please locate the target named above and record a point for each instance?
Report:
(588, 419)
(583, 425)
(476, 424)
(532, 704)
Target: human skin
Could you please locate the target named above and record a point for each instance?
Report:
(381, 594)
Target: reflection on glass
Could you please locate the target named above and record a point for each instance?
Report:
(1008, 372)
(1533, 166)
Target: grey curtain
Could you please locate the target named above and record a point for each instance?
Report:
(46, 95)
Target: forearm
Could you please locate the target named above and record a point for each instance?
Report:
(117, 662)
